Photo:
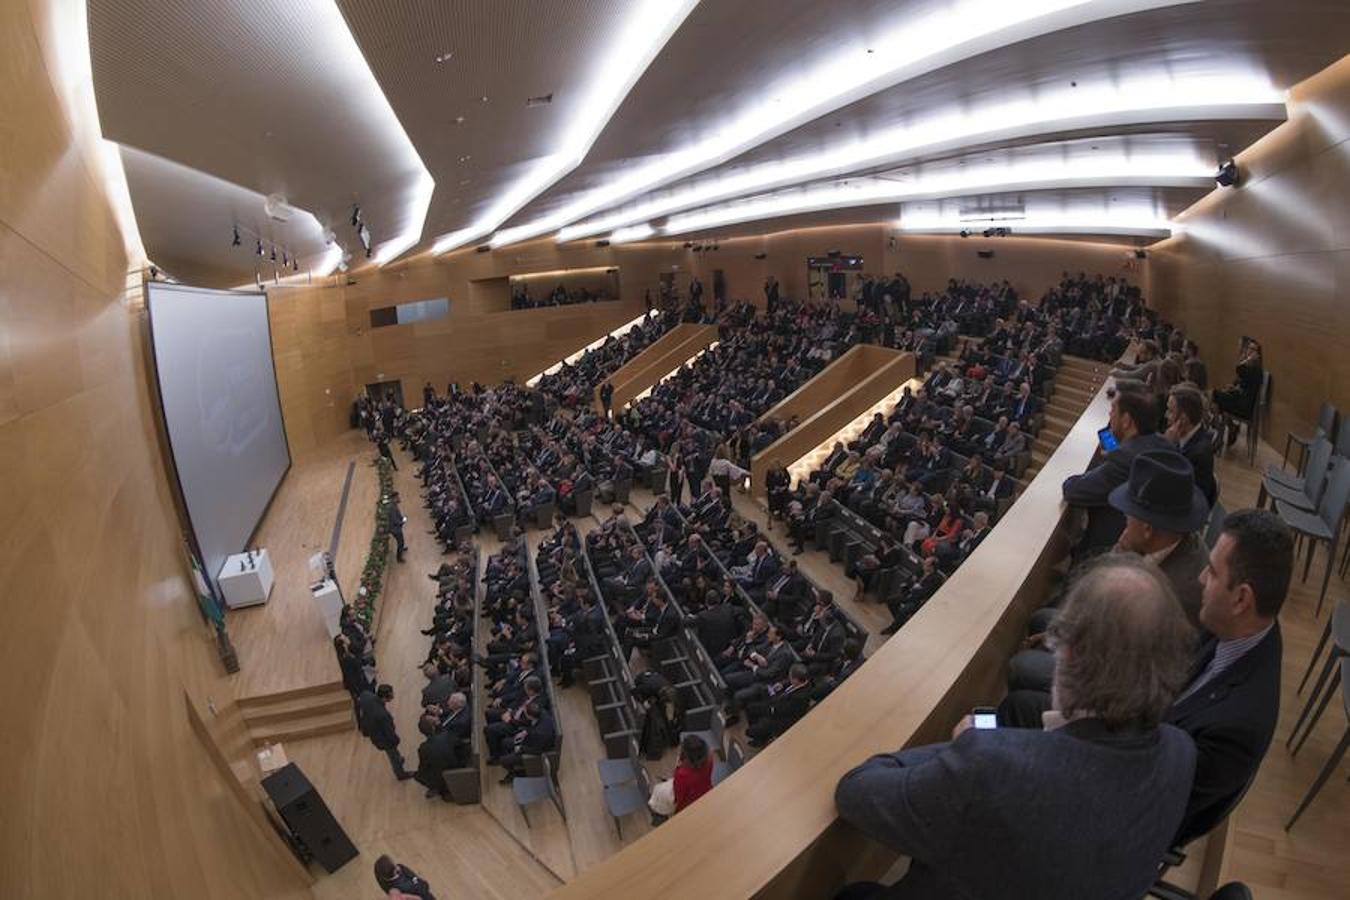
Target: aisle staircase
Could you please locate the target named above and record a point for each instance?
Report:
(1076, 382)
(298, 713)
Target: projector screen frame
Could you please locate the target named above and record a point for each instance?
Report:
(168, 452)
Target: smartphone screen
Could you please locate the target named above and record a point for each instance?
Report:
(1108, 440)
(985, 717)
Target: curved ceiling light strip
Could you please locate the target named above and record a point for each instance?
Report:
(330, 38)
(957, 32)
(1185, 171)
(1137, 223)
(1079, 110)
(648, 27)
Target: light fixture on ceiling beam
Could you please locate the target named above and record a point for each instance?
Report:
(914, 47)
(1173, 170)
(235, 242)
(639, 37)
(444, 57)
(1104, 110)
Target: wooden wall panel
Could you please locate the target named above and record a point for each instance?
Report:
(1271, 258)
(107, 791)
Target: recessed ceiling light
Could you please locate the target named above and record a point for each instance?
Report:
(464, 181)
(444, 57)
(465, 158)
(484, 98)
(459, 120)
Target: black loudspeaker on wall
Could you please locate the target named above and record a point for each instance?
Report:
(308, 818)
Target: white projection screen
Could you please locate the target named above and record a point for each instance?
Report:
(213, 361)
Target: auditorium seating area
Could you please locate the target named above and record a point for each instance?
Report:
(675, 449)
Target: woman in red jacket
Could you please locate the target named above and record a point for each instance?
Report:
(693, 772)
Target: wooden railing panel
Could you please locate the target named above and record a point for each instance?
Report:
(671, 351)
(844, 390)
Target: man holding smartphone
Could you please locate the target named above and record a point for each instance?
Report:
(1085, 808)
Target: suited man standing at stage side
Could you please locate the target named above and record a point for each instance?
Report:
(372, 714)
(394, 519)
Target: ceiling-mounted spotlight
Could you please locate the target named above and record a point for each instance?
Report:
(284, 260)
(260, 249)
(356, 216)
(688, 245)
(965, 233)
(1228, 174)
(235, 242)
(761, 256)
(295, 264)
(274, 253)
(444, 57)
(989, 232)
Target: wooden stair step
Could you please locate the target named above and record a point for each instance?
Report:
(291, 694)
(330, 723)
(297, 710)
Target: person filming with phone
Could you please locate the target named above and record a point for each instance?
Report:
(1084, 808)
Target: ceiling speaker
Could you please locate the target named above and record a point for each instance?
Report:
(1228, 174)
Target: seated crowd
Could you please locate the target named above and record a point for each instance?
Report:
(1117, 675)
(1145, 697)
(559, 296)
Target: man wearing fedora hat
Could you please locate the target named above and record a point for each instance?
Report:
(1162, 509)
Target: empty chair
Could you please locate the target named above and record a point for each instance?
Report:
(1341, 685)
(536, 784)
(1337, 633)
(712, 737)
(1302, 491)
(584, 498)
(503, 524)
(1343, 437)
(623, 798)
(1326, 424)
(723, 770)
(1324, 526)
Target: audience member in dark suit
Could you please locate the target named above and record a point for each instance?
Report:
(772, 717)
(720, 624)
(536, 737)
(1085, 809)
(392, 876)
(394, 519)
(787, 595)
(438, 753)
(761, 670)
(1133, 421)
(1232, 701)
(372, 714)
(1186, 429)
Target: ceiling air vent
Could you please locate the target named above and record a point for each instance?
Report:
(541, 100)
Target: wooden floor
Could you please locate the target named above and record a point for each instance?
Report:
(282, 644)
(1312, 861)
(490, 851)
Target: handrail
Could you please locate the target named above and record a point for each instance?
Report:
(771, 829)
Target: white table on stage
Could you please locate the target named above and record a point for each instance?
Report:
(244, 584)
(329, 600)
